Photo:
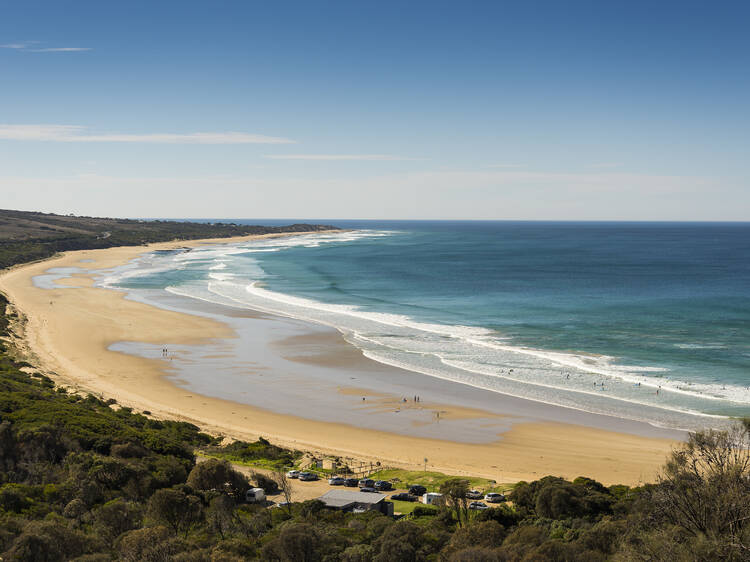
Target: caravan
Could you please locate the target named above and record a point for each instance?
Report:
(255, 495)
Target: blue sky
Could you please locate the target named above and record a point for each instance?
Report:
(487, 110)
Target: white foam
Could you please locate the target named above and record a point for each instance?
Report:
(469, 354)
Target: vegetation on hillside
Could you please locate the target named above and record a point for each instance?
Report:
(262, 454)
(27, 236)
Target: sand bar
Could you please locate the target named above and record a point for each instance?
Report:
(69, 330)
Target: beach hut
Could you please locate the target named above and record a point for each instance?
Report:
(432, 498)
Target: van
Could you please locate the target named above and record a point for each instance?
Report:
(255, 495)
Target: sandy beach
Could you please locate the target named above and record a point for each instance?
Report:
(69, 330)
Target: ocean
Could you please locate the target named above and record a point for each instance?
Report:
(643, 321)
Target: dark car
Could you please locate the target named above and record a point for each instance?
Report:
(383, 485)
(368, 489)
(403, 497)
(417, 490)
(366, 483)
(351, 482)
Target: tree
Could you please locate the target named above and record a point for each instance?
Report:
(357, 553)
(284, 484)
(267, 483)
(215, 474)
(117, 517)
(400, 541)
(295, 543)
(151, 544)
(175, 509)
(455, 491)
(474, 554)
(704, 489)
(220, 514)
(47, 541)
(485, 534)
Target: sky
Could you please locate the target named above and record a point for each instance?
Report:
(377, 110)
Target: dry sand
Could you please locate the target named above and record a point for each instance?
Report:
(67, 333)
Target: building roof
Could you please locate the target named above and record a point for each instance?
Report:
(342, 498)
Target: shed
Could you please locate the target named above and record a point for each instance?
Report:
(432, 498)
(357, 502)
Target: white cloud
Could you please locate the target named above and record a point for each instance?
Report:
(60, 50)
(74, 133)
(336, 157)
(26, 46)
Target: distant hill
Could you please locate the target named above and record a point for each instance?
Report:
(27, 236)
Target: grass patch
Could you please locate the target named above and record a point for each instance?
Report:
(433, 480)
(408, 507)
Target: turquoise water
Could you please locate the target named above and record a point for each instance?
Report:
(594, 316)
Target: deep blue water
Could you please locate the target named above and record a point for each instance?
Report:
(544, 310)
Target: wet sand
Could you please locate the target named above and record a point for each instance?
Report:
(97, 340)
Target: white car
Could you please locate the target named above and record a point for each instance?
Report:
(336, 481)
(292, 474)
(492, 497)
(478, 505)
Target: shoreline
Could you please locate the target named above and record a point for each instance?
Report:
(71, 328)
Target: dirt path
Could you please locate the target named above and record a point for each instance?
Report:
(301, 491)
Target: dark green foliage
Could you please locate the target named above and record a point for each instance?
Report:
(175, 509)
(217, 475)
(261, 450)
(269, 485)
(83, 479)
(555, 498)
(295, 543)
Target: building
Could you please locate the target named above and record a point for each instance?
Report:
(433, 498)
(357, 502)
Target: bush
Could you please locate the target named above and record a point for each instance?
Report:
(269, 485)
(217, 475)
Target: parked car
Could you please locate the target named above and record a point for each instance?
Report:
(351, 482)
(368, 489)
(492, 497)
(307, 476)
(383, 485)
(366, 483)
(478, 505)
(474, 495)
(417, 490)
(292, 474)
(336, 481)
(403, 497)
